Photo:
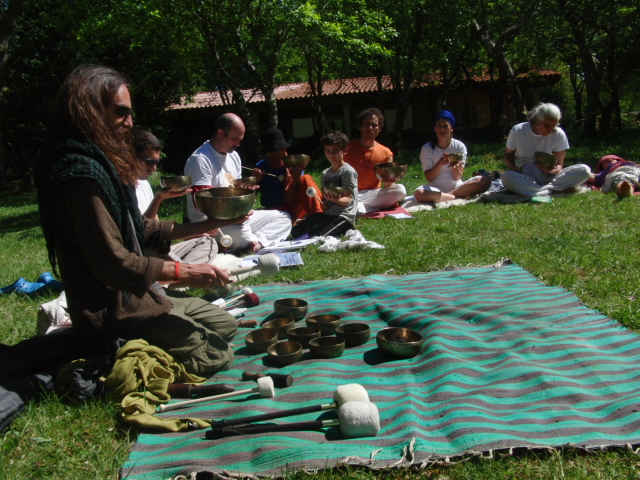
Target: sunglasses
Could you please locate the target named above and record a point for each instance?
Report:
(122, 110)
(149, 161)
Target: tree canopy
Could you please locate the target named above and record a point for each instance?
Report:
(175, 48)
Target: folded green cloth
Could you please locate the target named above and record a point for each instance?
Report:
(139, 380)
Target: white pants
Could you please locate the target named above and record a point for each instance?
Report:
(532, 182)
(195, 251)
(378, 198)
(267, 227)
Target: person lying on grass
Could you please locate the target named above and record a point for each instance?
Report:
(339, 193)
(95, 233)
(443, 160)
(615, 174)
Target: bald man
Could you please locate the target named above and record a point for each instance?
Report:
(216, 164)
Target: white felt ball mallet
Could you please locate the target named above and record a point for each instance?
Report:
(224, 240)
(311, 192)
(268, 264)
(344, 394)
(355, 419)
(265, 389)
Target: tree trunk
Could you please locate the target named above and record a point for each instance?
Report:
(7, 28)
(251, 129)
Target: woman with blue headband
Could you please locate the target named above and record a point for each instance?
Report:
(443, 161)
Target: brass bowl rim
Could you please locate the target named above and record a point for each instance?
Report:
(275, 346)
(339, 341)
(381, 336)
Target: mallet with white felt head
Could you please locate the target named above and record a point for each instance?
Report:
(356, 419)
(264, 388)
(344, 394)
(268, 264)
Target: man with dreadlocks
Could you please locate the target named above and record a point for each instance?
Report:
(97, 236)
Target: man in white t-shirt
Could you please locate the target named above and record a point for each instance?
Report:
(217, 164)
(201, 249)
(540, 134)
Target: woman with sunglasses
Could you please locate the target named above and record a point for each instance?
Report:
(95, 233)
(443, 160)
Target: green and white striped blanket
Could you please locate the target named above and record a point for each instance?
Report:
(507, 362)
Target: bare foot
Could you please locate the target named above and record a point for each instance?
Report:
(254, 247)
(624, 189)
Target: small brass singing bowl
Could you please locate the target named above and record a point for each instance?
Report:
(390, 172)
(302, 335)
(284, 353)
(296, 160)
(354, 334)
(259, 341)
(327, 323)
(454, 157)
(327, 347)
(245, 182)
(399, 342)
(225, 203)
(291, 307)
(333, 191)
(176, 184)
(545, 159)
(280, 325)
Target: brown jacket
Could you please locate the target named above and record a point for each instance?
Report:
(107, 287)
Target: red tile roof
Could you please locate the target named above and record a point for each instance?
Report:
(293, 91)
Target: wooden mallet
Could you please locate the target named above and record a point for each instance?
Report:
(264, 388)
(356, 419)
(343, 395)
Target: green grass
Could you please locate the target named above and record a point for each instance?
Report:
(588, 244)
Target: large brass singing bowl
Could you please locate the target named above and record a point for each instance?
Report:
(176, 184)
(296, 160)
(327, 323)
(545, 159)
(390, 172)
(225, 203)
(399, 342)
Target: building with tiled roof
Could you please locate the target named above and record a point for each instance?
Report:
(343, 99)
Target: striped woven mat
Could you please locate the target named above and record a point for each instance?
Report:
(508, 362)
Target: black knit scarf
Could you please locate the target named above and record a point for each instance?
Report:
(80, 158)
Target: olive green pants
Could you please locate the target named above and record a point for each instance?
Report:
(195, 333)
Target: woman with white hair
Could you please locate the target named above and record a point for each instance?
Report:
(541, 133)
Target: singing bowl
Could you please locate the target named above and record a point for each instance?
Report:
(291, 307)
(390, 172)
(284, 353)
(326, 323)
(354, 334)
(302, 335)
(259, 341)
(335, 191)
(545, 159)
(176, 184)
(454, 157)
(296, 160)
(327, 347)
(225, 203)
(280, 325)
(399, 342)
(245, 182)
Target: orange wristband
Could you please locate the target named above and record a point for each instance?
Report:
(176, 274)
